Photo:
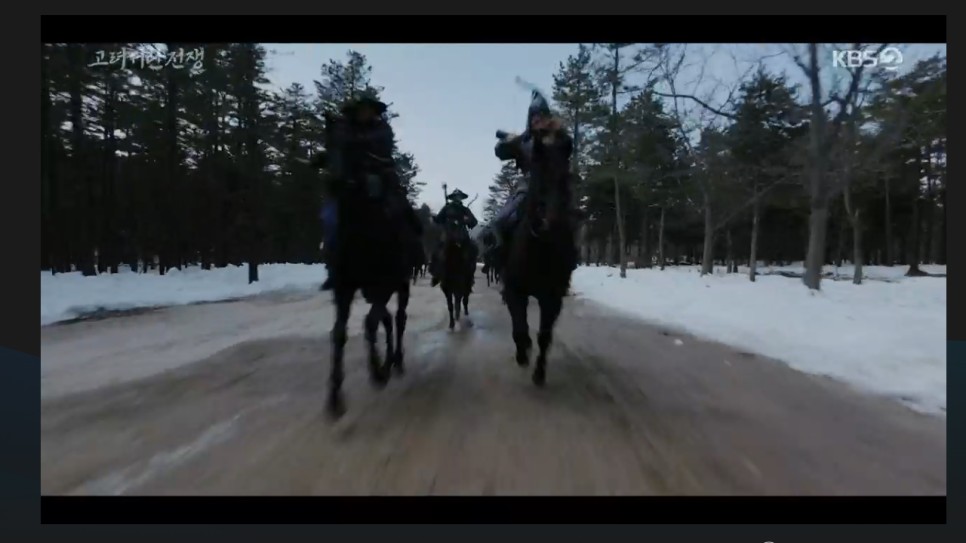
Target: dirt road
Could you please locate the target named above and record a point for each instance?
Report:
(228, 398)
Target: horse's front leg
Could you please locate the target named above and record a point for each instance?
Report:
(343, 306)
(550, 307)
(517, 304)
(387, 326)
(378, 375)
(449, 305)
(402, 299)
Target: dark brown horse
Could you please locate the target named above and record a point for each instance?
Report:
(373, 241)
(541, 254)
(459, 265)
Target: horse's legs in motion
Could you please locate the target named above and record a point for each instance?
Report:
(387, 325)
(378, 374)
(449, 305)
(343, 306)
(466, 302)
(550, 307)
(402, 300)
(517, 304)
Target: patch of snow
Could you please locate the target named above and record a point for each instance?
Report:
(845, 272)
(67, 296)
(678, 342)
(884, 337)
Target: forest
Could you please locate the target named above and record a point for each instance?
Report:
(196, 160)
(188, 159)
(847, 167)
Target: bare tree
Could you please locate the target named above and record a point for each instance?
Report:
(825, 132)
(670, 62)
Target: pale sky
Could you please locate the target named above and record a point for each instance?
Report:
(451, 98)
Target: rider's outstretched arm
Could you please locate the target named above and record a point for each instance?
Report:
(508, 148)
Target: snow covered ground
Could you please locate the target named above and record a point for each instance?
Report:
(70, 295)
(886, 336)
(873, 273)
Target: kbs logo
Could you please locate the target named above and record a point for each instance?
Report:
(888, 59)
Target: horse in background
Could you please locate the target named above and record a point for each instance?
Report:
(459, 265)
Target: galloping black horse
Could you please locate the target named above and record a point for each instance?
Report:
(374, 242)
(541, 254)
(459, 265)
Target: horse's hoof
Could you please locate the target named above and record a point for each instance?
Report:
(539, 377)
(523, 359)
(397, 363)
(335, 407)
(379, 378)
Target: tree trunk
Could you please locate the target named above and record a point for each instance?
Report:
(818, 188)
(854, 217)
(81, 189)
(584, 245)
(610, 259)
(857, 247)
(889, 243)
(615, 150)
(168, 248)
(645, 261)
(707, 254)
(755, 219)
(110, 241)
(660, 240)
(840, 242)
(815, 257)
(928, 250)
(730, 263)
(915, 238)
(48, 245)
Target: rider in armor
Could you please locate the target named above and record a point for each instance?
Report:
(520, 148)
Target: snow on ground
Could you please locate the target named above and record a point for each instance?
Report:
(67, 296)
(884, 337)
(874, 273)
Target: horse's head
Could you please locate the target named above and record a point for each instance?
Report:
(549, 199)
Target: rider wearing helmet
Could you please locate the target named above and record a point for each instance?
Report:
(520, 149)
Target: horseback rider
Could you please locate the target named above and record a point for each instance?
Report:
(365, 133)
(456, 220)
(519, 148)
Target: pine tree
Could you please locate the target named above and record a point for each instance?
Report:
(501, 189)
